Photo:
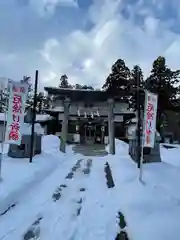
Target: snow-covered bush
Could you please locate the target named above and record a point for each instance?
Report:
(50, 143)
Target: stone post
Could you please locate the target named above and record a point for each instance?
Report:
(77, 133)
(111, 126)
(64, 131)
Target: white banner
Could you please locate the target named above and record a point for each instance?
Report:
(150, 113)
(15, 116)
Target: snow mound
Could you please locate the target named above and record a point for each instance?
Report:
(27, 128)
(170, 155)
(5, 148)
(50, 143)
(121, 147)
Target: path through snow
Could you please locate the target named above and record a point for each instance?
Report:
(74, 203)
(14, 224)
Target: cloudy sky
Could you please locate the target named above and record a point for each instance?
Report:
(82, 38)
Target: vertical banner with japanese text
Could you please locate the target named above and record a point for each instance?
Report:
(16, 108)
(150, 112)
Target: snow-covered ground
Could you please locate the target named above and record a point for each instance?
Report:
(18, 175)
(171, 155)
(65, 196)
(151, 208)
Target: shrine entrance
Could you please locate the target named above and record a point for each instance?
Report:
(93, 133)
(90, 131)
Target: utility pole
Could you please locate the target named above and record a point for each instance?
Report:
(138, 120)
(34, 116)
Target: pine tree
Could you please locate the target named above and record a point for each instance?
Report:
(118, 80)
(29, 101)
(79, 86)
(136, 72)
(162, 81)
(40, 102)
(27, 79)
(87, 87)
(64, 82)
(47, 102)
(4, 100)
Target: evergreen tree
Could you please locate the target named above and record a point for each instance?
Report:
(78, 86)
(30, 96)
(64, 82)
(40, 102)
(27, 79)
(118, 80)
(29, 101)
(87, 87)
(162, 81)
(46, 102)
(136, 72)
(4, 96)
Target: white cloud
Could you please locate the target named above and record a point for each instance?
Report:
(44, 7)
(88, 63)
(173, 53)
(48, 47)
(49, 76)
(7, 58)
(86, 56)
(112, 37)
(151, 25)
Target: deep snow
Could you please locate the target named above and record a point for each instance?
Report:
(73, 201)
(151, 208)
(18, 175)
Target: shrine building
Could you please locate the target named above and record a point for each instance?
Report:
(87, 116)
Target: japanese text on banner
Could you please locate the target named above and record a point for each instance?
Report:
(150, 119)
(15, 118)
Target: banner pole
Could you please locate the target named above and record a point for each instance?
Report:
(4, 130)
(141, 162)
(142, 141)
(138, 133)
(34, 116)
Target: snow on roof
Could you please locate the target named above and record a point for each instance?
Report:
(27, 129)
(39, 117)
(42, 117)
(57, 109)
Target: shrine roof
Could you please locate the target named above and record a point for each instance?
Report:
(82, 94)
